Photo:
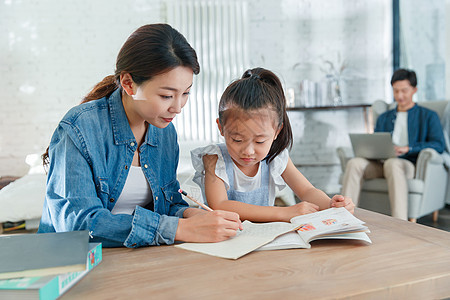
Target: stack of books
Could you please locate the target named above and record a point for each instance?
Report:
(44, 266)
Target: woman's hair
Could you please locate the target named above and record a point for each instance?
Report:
(149, 51)
(259, 88)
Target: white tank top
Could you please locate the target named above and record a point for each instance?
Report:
(136, 191)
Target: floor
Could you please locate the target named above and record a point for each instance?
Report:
(443, 221)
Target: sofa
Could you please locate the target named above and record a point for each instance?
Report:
(429, 190)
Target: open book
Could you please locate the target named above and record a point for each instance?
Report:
(332, 223)
(329, 223)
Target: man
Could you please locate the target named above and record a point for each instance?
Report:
(413, 128)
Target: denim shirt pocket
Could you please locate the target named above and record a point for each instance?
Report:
(169, 190)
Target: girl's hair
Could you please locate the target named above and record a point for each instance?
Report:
(149, 51)
(259, 88)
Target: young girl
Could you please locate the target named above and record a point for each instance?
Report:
(242, 174)
(113, 158)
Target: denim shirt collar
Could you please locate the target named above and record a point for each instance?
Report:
(120, 126)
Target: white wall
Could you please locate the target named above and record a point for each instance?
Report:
(423, 45)
(295, 38)
(53, 52)
(447, 50)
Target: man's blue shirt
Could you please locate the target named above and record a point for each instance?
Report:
(424, 130)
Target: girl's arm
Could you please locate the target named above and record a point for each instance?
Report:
(303, 188)
(217, 198)
(307, 192)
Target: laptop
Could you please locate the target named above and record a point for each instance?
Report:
(376, 145)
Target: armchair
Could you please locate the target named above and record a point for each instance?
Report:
(428, 188)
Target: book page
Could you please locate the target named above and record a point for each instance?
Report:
(253, 236)
(326, 222)
(288, 240)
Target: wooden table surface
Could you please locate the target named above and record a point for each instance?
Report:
(405, 261)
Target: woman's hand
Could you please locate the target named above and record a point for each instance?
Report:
(341, 201)
(207, 227)
(301, 208)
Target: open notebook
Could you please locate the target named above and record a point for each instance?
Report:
(335, 223)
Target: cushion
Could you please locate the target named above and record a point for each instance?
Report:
(415, 186)
(23, 199)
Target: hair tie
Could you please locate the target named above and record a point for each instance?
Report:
(255, 76)
(251, 75)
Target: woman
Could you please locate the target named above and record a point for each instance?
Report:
(113, 158)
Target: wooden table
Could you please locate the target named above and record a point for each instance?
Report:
(405, 261)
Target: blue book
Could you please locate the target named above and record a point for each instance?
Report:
(43, 254)
(48, 287)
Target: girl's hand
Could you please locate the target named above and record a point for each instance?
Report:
(301, 208)
(208, 227)
(341, 201)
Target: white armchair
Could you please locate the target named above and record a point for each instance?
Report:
(428, 188)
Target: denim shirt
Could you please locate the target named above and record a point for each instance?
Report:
(424, 130)
(90, 154)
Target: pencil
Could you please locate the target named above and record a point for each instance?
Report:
(196, 201)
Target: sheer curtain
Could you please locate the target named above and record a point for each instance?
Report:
(218, 31)
(422, 45)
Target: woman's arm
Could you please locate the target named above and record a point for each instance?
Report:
(217, 198)
(72, 197)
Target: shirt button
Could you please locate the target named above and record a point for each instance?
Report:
(126, 167)
(156, 198)
(111, 200)
(146, 166)
(132, 144)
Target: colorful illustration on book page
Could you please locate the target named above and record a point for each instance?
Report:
(329, 222)
(306, 227)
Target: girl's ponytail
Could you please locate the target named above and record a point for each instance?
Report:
(284, 138)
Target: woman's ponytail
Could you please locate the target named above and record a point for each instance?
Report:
(102, 89)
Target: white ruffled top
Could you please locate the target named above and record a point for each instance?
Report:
(276, 168)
